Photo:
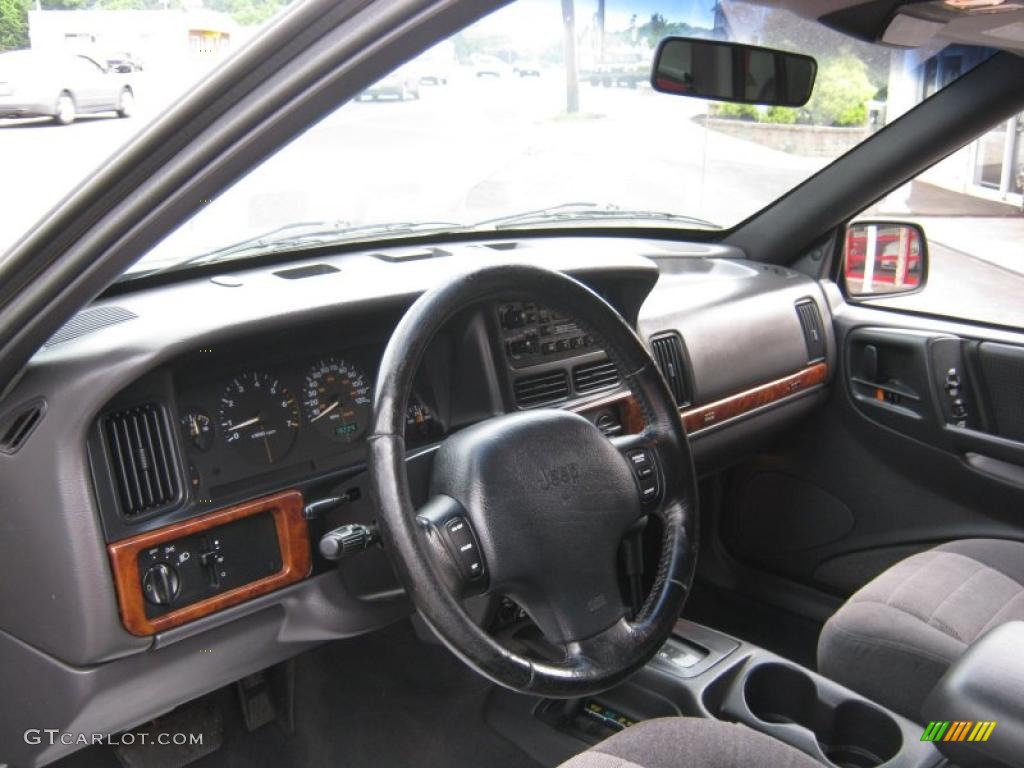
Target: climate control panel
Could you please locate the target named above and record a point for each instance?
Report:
(533, 334)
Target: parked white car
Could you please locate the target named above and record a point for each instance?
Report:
(61, 86)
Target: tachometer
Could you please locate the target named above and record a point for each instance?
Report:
(258, 417)
(336, 398)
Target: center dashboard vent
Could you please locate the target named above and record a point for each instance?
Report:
(594, 376)
(541, 388)
(670, 355)
(814, 332)
(142, 459)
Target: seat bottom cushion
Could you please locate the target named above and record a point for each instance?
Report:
(894, 639)
(688, 742)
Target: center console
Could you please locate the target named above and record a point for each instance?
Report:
(703, 673)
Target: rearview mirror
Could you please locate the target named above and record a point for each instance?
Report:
(881, 258)
(719, 71)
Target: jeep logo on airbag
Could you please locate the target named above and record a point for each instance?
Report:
(564, 474)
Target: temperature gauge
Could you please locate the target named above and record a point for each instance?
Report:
(421, 425)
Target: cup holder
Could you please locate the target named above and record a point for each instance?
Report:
(851, 734)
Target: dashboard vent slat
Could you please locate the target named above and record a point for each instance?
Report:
(814, 332)
(670, 355)
(595, 376)
(541, 389)
(139, 441)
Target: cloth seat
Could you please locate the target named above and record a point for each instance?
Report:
(894, 638)
(688, 742)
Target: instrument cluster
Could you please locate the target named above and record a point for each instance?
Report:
(306, 417)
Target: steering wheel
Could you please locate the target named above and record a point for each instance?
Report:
(535, 504)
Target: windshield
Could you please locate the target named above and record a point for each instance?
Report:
(535, 117)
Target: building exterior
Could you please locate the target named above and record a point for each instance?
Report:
(156, 39)
(990, 168)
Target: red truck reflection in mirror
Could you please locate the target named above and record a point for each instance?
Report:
(883, 258)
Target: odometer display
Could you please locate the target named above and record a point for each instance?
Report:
(336, 399)
(258, 417)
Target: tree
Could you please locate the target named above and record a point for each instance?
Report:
(247, 12)
(13, 25)
(841, 93)
(137, 5)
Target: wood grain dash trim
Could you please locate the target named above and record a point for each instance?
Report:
(705, 416)
(296, 561)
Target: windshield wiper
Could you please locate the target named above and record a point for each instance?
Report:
(581, 212)
(300, 235)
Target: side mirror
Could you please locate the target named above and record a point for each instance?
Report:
(882, 258)
(720, 71)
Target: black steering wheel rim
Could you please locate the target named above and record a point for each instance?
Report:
(601, 659)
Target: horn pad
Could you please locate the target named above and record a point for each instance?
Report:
(550, 499)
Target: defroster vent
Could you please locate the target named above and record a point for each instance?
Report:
(814, 333)
(142, 459)
(541, 388)
(670, 355)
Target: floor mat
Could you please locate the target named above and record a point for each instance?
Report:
(379, 701)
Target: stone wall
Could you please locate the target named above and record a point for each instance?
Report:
(807, 140)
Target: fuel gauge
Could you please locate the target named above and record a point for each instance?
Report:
(198, 429)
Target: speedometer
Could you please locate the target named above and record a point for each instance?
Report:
(258, 417)
(336, 399)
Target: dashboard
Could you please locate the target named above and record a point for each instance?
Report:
(178, 469)
(231, 421)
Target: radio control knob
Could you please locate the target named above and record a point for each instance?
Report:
(161, 584)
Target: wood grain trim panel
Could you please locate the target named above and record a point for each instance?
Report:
(296, 561)
(704, 416)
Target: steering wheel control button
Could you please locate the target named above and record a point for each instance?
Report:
(161, 584)
(642, 464)
(464, 548)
